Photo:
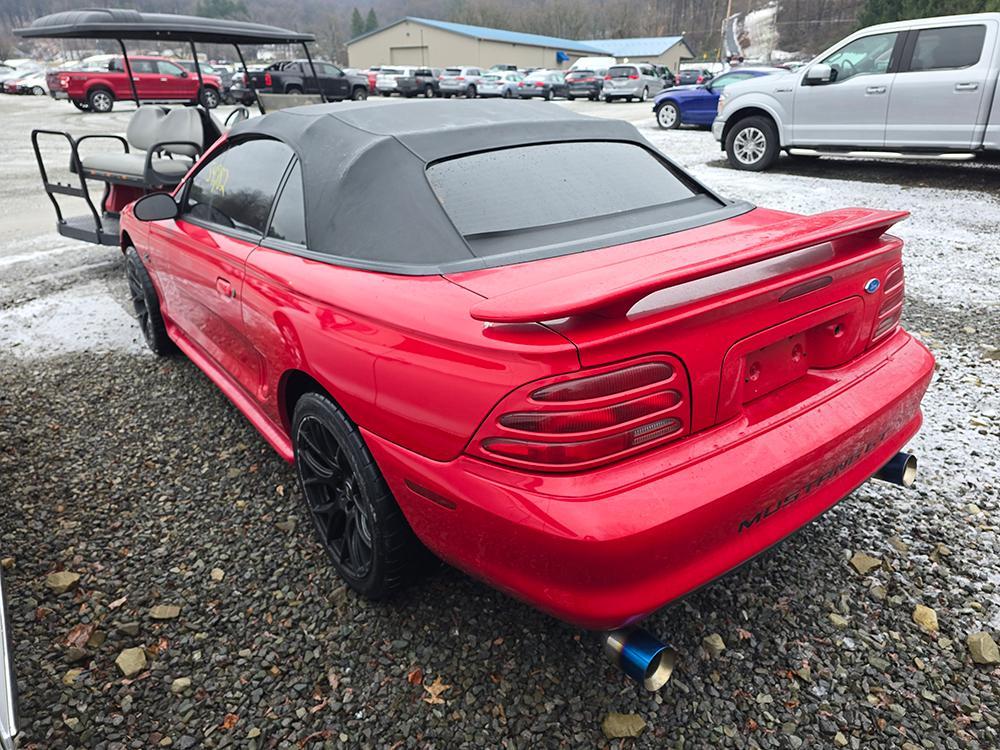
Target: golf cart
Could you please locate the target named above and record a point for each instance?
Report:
(161, 144)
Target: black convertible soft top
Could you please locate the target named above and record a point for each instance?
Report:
(121, 23)
(370, 204)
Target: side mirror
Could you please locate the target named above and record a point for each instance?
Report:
(156, 207)
(184, 74)
(819, 74)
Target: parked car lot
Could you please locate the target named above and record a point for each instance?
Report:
(503, 664)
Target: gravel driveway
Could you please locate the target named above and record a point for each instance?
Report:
(196, 569)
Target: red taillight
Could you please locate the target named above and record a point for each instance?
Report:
(891, 309)
(577, 422)
(520, 84)
(701, 79)
(459, 78)
(267, 79)
(539, 84)
(64, 81)
(633, 78)
(607, 78)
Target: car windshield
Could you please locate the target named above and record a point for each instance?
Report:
(556, 205)
(622, 71)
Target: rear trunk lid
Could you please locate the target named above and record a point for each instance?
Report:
(758, 304)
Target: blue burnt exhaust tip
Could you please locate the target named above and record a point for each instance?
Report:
(643, 657)
(901, 470)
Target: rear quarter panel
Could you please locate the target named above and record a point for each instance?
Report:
(400, 354)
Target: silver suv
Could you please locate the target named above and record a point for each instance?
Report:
(460, 81)
(632, 81)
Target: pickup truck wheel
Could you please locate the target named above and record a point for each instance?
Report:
(293, 90)
(359, 94)
(428, 91)
(209, 98)
(146, 304)
(357, 520)
(668, 116)
(101, 100)
(752, 144)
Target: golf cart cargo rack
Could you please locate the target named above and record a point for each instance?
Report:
(100, 225)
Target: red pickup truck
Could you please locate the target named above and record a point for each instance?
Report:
(156, 79)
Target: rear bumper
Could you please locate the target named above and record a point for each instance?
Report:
(608, 547)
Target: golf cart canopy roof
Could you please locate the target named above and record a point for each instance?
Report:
(116, 23)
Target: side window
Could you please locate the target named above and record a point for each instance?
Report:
(236, 188)
(142, 66)
(864, 56)
(165, 68)
(949, 48)
(289, 222)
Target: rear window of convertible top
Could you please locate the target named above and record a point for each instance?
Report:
(562, 194)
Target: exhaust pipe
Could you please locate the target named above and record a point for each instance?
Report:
(901, 470)
(641, 656)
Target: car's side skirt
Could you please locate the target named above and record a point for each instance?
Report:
(271, 432)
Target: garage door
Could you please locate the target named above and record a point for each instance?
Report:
(407, 55)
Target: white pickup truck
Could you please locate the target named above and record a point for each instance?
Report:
(925, 88)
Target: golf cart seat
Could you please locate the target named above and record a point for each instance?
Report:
(160, 147)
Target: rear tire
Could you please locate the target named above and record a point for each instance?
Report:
(645, 95)
(752, 144)
(209, 98)
(428, 91)
(293, 90)
(357, 520)
(359, 94)
(37, 91)
(146, 304)
(470, 93)
(101, 100)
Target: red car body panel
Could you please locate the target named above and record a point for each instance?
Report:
(794, 384)
(77, 84)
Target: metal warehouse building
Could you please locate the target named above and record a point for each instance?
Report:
(424, 41)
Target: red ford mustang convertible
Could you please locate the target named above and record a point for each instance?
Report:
(594, 405)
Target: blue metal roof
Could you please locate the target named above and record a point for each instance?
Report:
(649, 46)
(499, 35)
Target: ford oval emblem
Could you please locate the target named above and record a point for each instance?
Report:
(872, 285)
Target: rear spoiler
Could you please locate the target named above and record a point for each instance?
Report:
(617, 287)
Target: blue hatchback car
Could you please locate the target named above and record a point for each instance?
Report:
(696, 105)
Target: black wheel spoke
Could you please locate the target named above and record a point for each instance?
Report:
(333, 497)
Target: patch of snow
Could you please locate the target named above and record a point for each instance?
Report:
(85, 318)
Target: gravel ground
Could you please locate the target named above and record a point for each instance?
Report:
(138, 475)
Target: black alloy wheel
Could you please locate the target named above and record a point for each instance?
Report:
(358, 523)
(341, 514)
(146, 305)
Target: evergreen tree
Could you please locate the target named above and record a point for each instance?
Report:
(371, 23)
(357, 23)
